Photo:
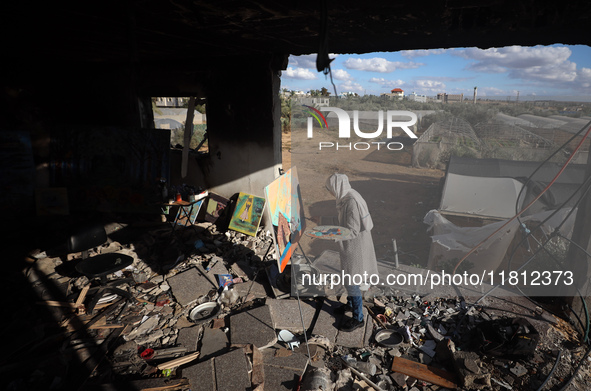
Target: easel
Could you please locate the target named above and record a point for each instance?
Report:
(294, 281)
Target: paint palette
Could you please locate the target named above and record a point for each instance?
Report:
(328, 232)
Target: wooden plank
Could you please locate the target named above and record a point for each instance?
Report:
(424, 372)
(55, 303)
(82, 296)
(178, 361)
(258, 370)
(106, 326)
(179, 384)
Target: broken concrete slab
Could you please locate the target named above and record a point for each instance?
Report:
(280, 379)
(189, 286)
(356, 338)
(228, 372)
(326, 323)
(296, 361)
(217, 268)
(243, 269)
(253, 289)
(282, 372)
(214, 343)
(469, 371)
(254, 326)
(188, 338)
(201, 376)
(286, 314)
(231, 371)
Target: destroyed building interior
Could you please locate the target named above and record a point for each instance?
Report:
(81, 164)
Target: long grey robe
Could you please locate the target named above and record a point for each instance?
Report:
(357, 251)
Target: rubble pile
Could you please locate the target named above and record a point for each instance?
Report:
(204, 315)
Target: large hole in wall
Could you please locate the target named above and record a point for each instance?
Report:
(515, 104)
(171, 113)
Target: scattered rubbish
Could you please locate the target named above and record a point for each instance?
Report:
(204, 312)
(507, 337)
(228, 296)
(366, 367)
(406, 334)
(147, 354)
(224, 280)
(289, 339)
(388, 338)
(362, 376)
(423, 372)
(178, 362)
(316, 379)
(212, 302)
(468, 367)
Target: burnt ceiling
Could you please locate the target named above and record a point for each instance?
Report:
(178, 30)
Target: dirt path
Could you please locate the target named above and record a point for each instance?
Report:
(397, 195)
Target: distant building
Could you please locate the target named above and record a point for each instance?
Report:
(292, 93)
(417, 98)
(171, 101)
(320, 101)
(396, 93)
(450, 98)
(173, 118)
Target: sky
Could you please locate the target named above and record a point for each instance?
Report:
(538, 72)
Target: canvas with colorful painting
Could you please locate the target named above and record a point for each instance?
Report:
(247, 214)
(287, 214)
(215, 205)
(184, 220)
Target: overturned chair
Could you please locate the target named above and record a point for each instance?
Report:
(98, 266)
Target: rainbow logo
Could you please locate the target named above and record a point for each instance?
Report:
(316, 114)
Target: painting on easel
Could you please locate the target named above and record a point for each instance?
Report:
(247, 214)
(287, 214)
(184, 220)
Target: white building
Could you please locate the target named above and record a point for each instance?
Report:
(319, 101)
(170, 101)
(417, 98)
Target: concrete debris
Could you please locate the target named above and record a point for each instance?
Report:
(189, 286)
(237, 346)
(472, 376)
(518, 370)
(317, 379)
(253, 327)
(214, 342)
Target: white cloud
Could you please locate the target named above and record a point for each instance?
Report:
(491, 91)
(378, 64)
(306, 60)
(341, 74)
(386, 83)
(584, 78)
(350, 86)
(298, 73)
(422, 52)
(430, 85)
(539, 63)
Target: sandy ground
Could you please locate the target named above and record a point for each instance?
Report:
(397, 195)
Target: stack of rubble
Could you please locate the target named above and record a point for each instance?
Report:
(184, 329)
